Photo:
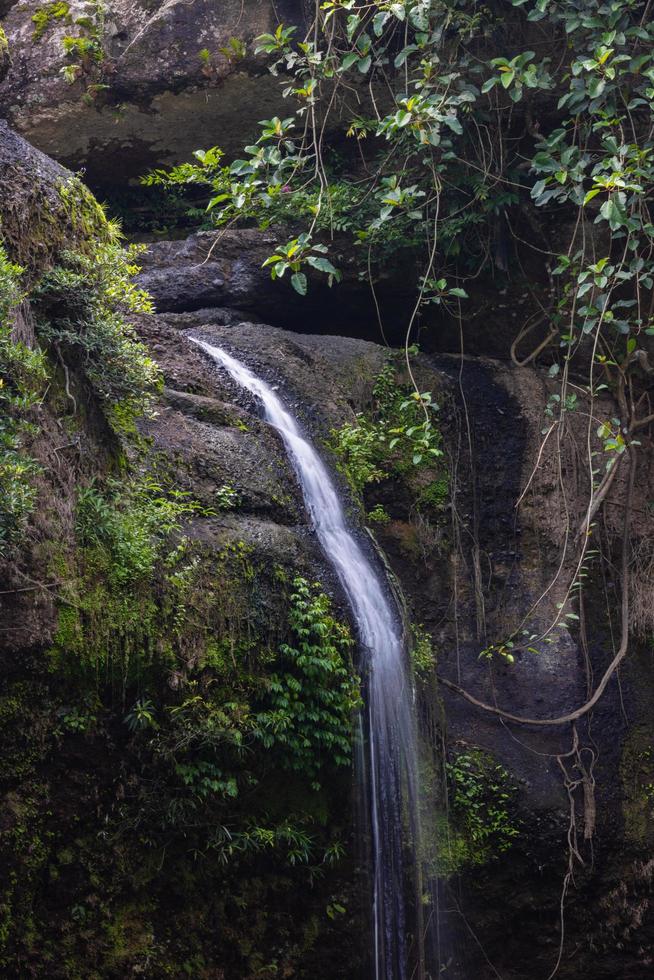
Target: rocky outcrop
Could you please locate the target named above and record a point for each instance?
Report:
(224, 268)
(149, 83)
(470, 574)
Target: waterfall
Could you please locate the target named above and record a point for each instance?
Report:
(390, 772)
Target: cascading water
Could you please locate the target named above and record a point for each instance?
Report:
(391, 766)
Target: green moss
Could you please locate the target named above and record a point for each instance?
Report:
(637, 776)
(4, 43)
(25, 729)
(178, 846)
(85, 215)
(57, 216)
(24, 851)
(22, 379)
(435, 495)
(49, 14)
(81, 306)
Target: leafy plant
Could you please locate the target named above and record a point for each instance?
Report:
(313, 694)
(82, 306)
(399, 435)
(482, 796)
(141, 716)
(227, 498)
(423, 656)
(379, 515)
(85, 50)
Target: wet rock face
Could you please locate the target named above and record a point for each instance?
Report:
(156, 87)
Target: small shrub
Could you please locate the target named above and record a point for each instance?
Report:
(482, 795)
(227, 498)
(397, 437)
(423, 657)
(82, 306)
(379, 515)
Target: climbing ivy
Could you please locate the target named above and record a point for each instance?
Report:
(314, 695)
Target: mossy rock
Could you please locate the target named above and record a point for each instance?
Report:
(637, 775)
(44, 209)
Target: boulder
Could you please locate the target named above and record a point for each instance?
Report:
(149, 83)
(43, 207)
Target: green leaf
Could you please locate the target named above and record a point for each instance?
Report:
(349, 60)
(614, 214)
(378, 22)
(323, 265)
(299, 283)
(454, 124)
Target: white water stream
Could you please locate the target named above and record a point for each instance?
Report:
(391, 766)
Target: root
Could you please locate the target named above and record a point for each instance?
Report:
(621, 653)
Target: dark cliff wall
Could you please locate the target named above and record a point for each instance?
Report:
(109, 861)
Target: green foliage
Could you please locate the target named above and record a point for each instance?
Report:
(109, 620)
(359, 448)
(313, 694)
(596, 158)
(482, 801)
(227, 498)
(141, 716)
(423, 656)
(421, 178)
(298, 253)
(434, 495)
(85, 50)
(22, 379)
(133, 521)
(234, 50)
(82, 306)
(399, 436)
(379, 515)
